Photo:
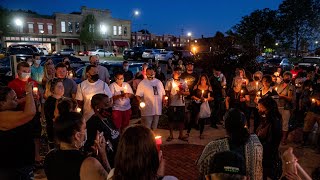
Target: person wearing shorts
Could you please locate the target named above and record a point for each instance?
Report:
(176, 89)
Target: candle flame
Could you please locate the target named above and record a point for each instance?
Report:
(78, 110)
(142, 104)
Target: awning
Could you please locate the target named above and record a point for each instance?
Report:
(121, 43)
(70, 41)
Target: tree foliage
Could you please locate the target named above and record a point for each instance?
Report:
(90, 31)
(4, 21)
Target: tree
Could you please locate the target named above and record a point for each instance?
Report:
(90, 31)
(4, 21)
(256, 29)
(299, 20)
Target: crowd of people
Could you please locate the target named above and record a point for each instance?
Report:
(87, 124)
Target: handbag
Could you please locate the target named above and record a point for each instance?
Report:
(205, 111)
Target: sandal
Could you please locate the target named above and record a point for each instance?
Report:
(183, 138)
(170, 138)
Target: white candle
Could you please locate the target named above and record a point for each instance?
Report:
(202, 93)
(71, 75)
(241, 91)
(313, 100)
(35, 90)
(276, 89)
(166, 98)
(257, 85)
(125, 89)
(142, 104)
(78, 110)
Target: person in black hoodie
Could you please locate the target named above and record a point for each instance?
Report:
(101, 121)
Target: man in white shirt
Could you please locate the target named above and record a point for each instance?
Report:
(88, 88)
(121, 109)
(151, 92)
(102, 71)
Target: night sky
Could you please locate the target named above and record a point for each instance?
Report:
(201, 17)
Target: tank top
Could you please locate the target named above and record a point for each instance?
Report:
(63, 164)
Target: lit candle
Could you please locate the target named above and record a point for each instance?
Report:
(257, 85)
(276, 89)
(258, 93)
(202, 93)
(158, 142)
(35, 90)
(186, 81)
(71, 75)
(313, 100)
(125, 89)
(166, 98)
(142, 104)
(78, 110)
(241, 91)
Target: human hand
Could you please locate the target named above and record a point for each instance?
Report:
(100, 144)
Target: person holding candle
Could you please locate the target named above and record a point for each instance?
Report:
(253, 88)
(18, 85)
(267, 89)
(286, 93)
(16, 134)
(176, 89)
(237, 96)
(151, 92)
(70, 86)
(121, 109)
(71, 73)
(102, 122)
(202, 92)
(57, 91)
(88, 88)
(138, 146)
(240, 73)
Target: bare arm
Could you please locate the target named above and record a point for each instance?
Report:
(227, 103)
(13, 119)
(92, 169)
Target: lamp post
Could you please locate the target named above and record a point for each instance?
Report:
(41, 32)
(316, 42)
(19, 24)
(103, 30)
(135, 13)
(189, 34)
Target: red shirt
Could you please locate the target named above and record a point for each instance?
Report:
(19, 87)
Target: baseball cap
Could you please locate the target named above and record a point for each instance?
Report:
(227, 162)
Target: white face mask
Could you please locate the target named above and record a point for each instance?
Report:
(25, 75)
(38, 61)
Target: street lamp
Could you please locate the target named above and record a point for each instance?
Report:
(277, 44)
(19, 23)
(189, 34)
(41, 32)
(103, 30)
(136, 13)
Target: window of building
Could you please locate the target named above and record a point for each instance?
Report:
(30, 27)
(91, 28)
(114, 30)
(125, 31)
(50, 29)
(77, 27)
(70, 27)
(139, 37)
(63, 26)
(120, 30)
(40, 27)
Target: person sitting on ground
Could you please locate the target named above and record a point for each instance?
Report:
(239, 141)
(227, 165)
(16, 140)
(138, 157)
(68, 162)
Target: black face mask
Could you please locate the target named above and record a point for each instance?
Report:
(256, 78)
(94, 77)
(286, 81)
(105, 112)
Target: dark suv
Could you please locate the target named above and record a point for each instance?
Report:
(22, 52)
(134, 53)
(184, 55)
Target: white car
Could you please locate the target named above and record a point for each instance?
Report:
(164, 56)
(100, 53)
(150, 53)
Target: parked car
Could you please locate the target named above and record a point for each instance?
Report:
(184, 55)
(112, 68)
(83, 53)
(271, 65)
(285, 64)
(164, 56)
(43, 51)
(21, 52)
(65, 52)
(150, 54)
(135, 53)
(100, 52)
(309, 62)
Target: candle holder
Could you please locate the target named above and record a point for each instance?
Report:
(158, 142)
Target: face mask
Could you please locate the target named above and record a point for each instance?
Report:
(151, 77)
(95, 77)
(286, 81)
(126, 68)
(105, 112)
(85, 139)
(38, 61)
(25, 75)
(256, 78)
